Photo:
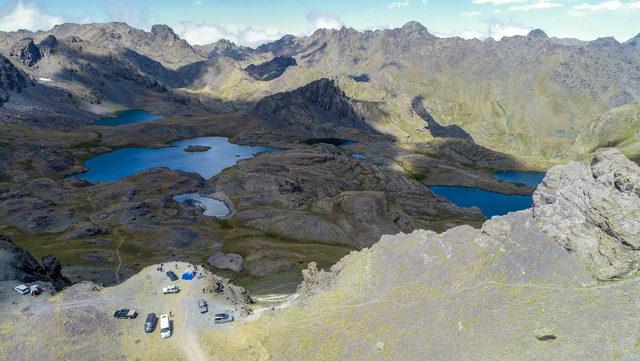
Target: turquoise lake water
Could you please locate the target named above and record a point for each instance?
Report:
(528, 178)
(492, 203)
(128, 161)
(128, 117)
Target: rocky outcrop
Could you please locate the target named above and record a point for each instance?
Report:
(53, 270)
(26, 52)
(234, 294)
(11, 79)
(315, 280)
(315, 109)
(16, 264)
(271, 69)
(593, 210)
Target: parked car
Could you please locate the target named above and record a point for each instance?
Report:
(150, 323)
(172, 276)
(222, 318)
(202, 305)
(35, 290)
(125, 313)
(165, 326)
(170, 289)
(22, 289)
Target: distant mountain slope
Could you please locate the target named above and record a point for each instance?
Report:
(161, 44)
(526, 95)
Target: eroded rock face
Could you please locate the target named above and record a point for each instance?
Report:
(26, 51)
(314, 109)
(53, 269)
(594, 211)
(315, 280)
(17, 264)
(11, 79)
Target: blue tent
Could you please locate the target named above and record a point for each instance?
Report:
(188, 274)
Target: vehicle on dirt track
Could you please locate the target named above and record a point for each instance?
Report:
(172, 276)
(35, 290)
(150, 323)
(125, 313)
(165, 326)
(170, 289)
(202, 305)
(222, 318)
(22, 289)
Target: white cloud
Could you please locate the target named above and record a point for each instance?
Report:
(399, 4)
(321, 20)
(123, 10)
(495, 29)
(611, 5)
(26, 16)
(536, 5)
(471, 13)
(200, 34)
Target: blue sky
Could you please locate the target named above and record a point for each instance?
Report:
(251, 22)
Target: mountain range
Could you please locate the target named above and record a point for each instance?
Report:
(533, 96)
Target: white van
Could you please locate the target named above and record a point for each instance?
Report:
(165, 326)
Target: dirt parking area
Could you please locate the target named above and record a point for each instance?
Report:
(82, 318)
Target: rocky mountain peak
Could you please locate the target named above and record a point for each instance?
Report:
(634, 42)
(537, 34)
(608, 41)
(164, 32)
(50, 41)
(593, 210)
(413, 26)
(316, 109)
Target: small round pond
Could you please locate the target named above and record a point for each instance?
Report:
(210, 207)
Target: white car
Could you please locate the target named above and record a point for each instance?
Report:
(165, 326)
(22, 289)
(170, 289)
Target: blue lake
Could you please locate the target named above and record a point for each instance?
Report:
(358, 155)
(127, 161)
(492, 203)
(128, 117)
(528, 178)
